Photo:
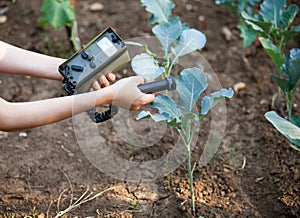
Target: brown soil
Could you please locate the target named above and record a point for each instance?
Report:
(254, 173)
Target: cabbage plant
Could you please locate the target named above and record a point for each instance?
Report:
(176, 40)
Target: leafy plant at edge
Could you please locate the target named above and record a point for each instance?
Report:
(177, 40)
(273, 27)
(60, 13)
(289, 84)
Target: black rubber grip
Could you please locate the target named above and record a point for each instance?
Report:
(168, 83)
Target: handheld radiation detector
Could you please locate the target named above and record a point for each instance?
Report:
(105, 53)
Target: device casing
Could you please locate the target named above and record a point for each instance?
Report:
(105, 53)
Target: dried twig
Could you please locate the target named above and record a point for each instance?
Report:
(84, 198)
(244, 163)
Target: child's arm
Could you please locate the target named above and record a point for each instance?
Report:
(15, 60)
(25, 115)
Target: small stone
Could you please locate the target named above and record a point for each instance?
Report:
(23, 135)
(239, 86)
(189, 7)
(226, 170)
(96, 7)
(263, 101)
(259, 179)
(70, 154)
(201, 18)
(3, 135)
(3, 19)
(227, 33)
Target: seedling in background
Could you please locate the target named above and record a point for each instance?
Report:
(289, 80)
(176, 40)
(288, 83)
(60, 13)
(273, 25)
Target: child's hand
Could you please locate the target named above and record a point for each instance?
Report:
(103, 81)
(127, 95)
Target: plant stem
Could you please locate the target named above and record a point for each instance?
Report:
(289, 102)
(190, 173)
(72, 32)
(186, 138)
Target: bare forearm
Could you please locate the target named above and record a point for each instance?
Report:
(26, 115)
(15, 60)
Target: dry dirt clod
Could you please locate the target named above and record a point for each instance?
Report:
(3, 19)
(239, 86)
(227, 33)
(201, 18)
(96, 7)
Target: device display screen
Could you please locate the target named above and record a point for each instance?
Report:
(107, 46)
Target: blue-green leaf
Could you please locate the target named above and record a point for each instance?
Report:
(293, 72)
(190, 84)
(292, 66)
(288, 129)
(296, 147)
(282, 83)
(295, 120)
(167, 108)
(247, 34)
(143, 114)
(292, 55)
(168, 32)
(257, 23)
(288, 16)
(209, 102)
(272, 9)
(273, 52)
(289, 34)
(147, 114)
(146, 66)
(190, 40)
(161, 10)
(253, 2)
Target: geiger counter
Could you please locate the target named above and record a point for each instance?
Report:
(105, 53)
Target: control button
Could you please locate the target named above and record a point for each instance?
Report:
(84, 55)
(77, 68)
(90, 57)
(92, 65)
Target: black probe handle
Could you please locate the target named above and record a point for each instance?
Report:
(168, 83)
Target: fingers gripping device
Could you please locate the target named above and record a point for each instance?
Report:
(105, 53)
